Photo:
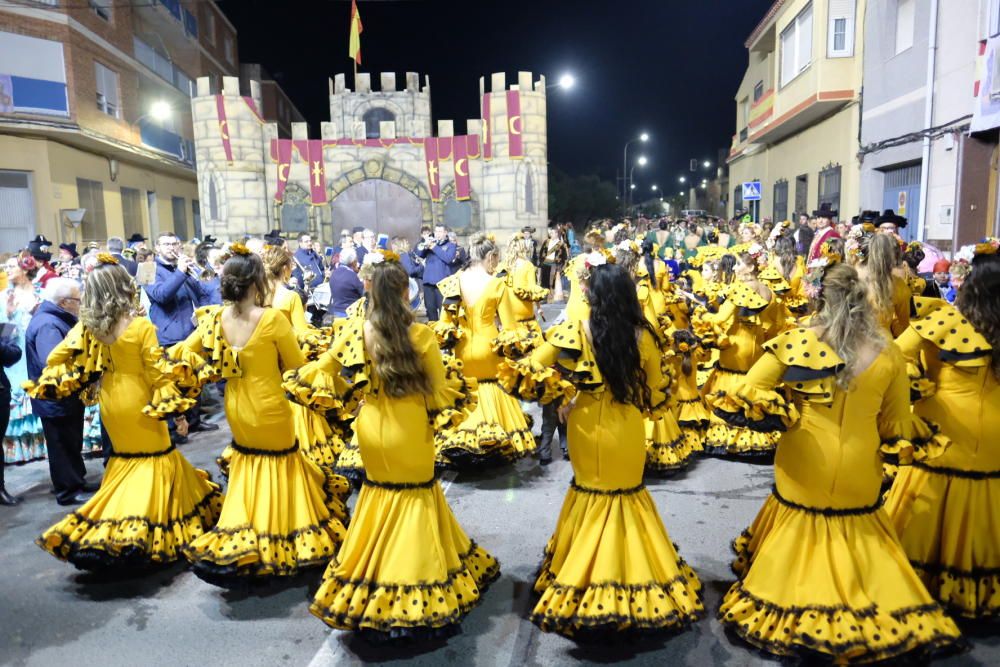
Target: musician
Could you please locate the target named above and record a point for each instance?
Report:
(308, 271)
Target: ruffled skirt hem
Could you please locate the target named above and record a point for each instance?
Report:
(721, 439)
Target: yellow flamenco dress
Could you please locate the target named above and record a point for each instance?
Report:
(349, 463)
(821, 571)
(744, 322)
(610, 567)
(577, 307)
(282, 512)
(406, 567)
(896, 320)
(496, 432)
(152, 503)
(693, 415)
(312, 431)
(518, 307)
(946, 510)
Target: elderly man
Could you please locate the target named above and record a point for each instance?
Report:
(345, 286)
(116, 246)
(173, 298)
(438, 253)
(62, 420)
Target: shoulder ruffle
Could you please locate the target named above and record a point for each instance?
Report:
(920, 306)
(916, 439)
(576, 361)
(84, 361)
(450, 288)
(540, 385)
(516, 343)
(774, 279)
(757, 409)
(357, 309)
(959, 343)
(811, 364)
(744, 297)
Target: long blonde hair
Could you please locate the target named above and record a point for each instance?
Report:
(109, 296)
(878, 256)
(844, 313)
(518, 247)
(397, 363)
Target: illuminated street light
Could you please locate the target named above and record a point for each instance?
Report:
(706, 164)
(567, 81)
(632, 187)
(682, 179)
(643, 137)
(653, 188)
(704, 186)
(642, 161)
(160, 111)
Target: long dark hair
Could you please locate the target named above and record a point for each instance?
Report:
(397, 362)
(784, 248)
(683, 336)
(979, 301)
(615, 317)
(727, 269)
(650, 261)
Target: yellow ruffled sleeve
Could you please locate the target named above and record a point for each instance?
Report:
(522, 282)
(73, 365)
(453, 395)
(167, 398)
(905, 436)
(758, 403)
(314, 384)
(338, 379)
(539, 378)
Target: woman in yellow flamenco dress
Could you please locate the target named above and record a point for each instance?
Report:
(945, 510)
(876, 256)
(519, 300)
(496, 432)
(610, 567)
(315, 437)
(577, 308)
(152, 503)
(406, 568)
(693, 415)
(749, 316)
(282, 512)
(822, 575)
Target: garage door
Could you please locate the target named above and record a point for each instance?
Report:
(17, 211)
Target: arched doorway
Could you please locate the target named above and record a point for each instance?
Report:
(379, 205)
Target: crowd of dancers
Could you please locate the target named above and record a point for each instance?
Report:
(876, 403)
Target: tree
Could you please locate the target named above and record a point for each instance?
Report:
(580, 199)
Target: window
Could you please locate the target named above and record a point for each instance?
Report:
(132, 211)
(904, 24)
(373, 117)
(829, 187)
(758, 91)
(180, 215)
(796, 46)
(802, 194)
(840, 41)
(227, 46)
(780, 201)
(102, 8)
(994, 19)
(209, 27)
(529, 190)
(91, 197)
(737, 199)
(213, 200)
(196, 217)
(107, 90)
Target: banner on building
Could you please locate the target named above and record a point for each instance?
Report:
(487, 128)
(515, 124)
(986, 114)
(220, 107)
(281, 152)
(433, 168)
(460, 150)
(317, 173)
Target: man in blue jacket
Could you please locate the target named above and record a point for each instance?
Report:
(308, 261)
(439, 255)
(62, 420)
(173, 298)
(345, 286)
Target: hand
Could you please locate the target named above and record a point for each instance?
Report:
(564, 411)
(181, 425)
(183, 264)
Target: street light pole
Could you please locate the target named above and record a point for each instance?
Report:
(625, 186)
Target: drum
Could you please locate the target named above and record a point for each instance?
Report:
(321, 296)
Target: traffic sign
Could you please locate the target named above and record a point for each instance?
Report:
(751, 191)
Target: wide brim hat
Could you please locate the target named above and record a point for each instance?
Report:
(273, 237)
(40, 248)
(889, 217)
(136, 238)
(70, 248)
(825, 210)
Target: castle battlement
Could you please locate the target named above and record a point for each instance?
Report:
(387, 81)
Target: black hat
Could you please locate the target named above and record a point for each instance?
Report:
(868, 216)
(210, 240)
(39, 248)
(136, 238)
(70, 248)
(357, 230)
(273, 237)
(825, 211)
(889, 217)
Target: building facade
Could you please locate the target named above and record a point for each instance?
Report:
(96, 133)
(798, 110)
(378, 162)
(275, 104)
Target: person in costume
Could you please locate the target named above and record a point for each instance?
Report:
(406, 569)
(876, 255)
(496, 432)
(945, 510)
(748, 317)
(610, 566)
(822, 575)
(282, 512)
(314, 435)
(520, 297)
(576, 304)
(151, 503)
(693, 415)
(824, 229)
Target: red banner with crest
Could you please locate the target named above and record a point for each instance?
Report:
(487, 128)
(515, 124)
(220, 107)
(460, 150)
(433, 168)
(281, 152)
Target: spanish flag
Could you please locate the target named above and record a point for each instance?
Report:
(354, 48)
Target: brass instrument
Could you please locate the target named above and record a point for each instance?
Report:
(307, 277)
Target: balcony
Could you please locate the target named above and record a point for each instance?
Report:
(163, 67)
(174, 24)
(155, 137)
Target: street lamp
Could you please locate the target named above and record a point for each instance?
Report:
(706, 164)
(567, 81)
(159, 111)
(682, 179)
(632, 187)
(653, 188)
(643, 137)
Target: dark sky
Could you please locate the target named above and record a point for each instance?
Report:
(670, 67)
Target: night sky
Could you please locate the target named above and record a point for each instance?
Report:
(669, 67)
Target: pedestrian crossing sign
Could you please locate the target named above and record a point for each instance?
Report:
(751, 191)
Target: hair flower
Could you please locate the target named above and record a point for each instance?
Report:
(988, 246)
(373, 258)
(594, 259)
(239, 249)
(107, 258)
(683, 347)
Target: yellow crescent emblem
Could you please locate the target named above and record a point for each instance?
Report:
(224, 129)
(514, 124)
(283, 172)
(459, 167)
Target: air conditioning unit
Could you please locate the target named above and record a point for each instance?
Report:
(73, 217)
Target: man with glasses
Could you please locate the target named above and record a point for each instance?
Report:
(62, 420)
(173, 298)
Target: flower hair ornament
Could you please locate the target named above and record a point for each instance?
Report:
(239, 249)
(813, 284)
(914, 246)
(628, 246)
(107, 258)
(826, 250)
(988, 246)
(380, 256)
(757, 252)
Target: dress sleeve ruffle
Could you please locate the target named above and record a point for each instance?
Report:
(516, 343)
(541, 385)
(916, 439)
(78, 362)
(314, 342)
(187, 370)
(944, 326)
(704, 328)
(761, 410)
(448, 333)
(451, 404)
(313, 387)
(921, 386)
(168, 400)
